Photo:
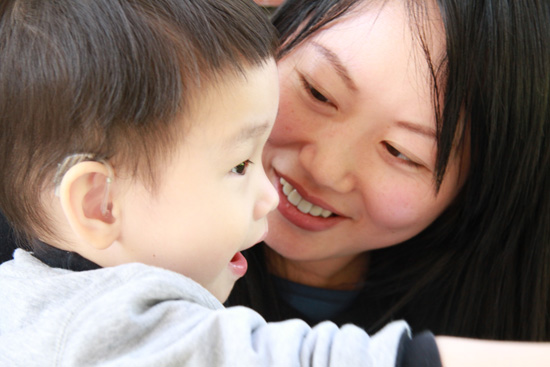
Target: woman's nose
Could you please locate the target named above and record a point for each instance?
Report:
(330, 165)
(268, 198)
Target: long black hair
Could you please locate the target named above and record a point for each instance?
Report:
(482, 269)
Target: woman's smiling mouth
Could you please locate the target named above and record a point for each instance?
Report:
(302, 204)
(302, 212)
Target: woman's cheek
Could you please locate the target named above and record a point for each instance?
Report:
(293, 125)
(397, 209)
(283, 127)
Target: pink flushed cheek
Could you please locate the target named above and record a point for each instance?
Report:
(395, 210)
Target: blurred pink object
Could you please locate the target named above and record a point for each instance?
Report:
(269, 2)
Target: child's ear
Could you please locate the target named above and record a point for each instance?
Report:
(89, 205)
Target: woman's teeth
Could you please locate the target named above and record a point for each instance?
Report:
(302, 204)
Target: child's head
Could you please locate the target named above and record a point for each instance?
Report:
(173, 95)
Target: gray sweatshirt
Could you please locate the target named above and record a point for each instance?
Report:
(139, 315)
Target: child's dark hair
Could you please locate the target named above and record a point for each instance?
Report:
(109, 78)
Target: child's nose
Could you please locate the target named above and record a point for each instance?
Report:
(268, 198)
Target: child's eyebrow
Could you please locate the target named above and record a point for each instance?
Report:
(247, 133)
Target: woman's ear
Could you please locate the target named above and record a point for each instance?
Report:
(89, 204)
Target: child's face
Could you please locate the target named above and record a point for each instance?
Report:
(213, 196)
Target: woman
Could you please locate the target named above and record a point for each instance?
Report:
(420, 131)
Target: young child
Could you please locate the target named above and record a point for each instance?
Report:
(131, 140)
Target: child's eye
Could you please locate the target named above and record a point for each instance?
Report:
(397, 154)
(314, 92)
(242, 167)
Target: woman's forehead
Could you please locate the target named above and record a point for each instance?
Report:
(420, 19)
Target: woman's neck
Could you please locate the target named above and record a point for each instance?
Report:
(343, 273)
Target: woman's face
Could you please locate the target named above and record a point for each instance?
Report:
(355, 139)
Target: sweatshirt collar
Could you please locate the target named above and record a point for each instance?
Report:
(57, 258)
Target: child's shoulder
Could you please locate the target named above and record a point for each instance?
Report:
(136, 279)
(35, 292)
(62, 310)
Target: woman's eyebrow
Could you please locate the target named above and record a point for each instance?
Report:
(418, 129)
(337, 64)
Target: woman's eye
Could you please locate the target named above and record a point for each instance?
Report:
(397, 154)
(317, 95)
(242, 167)
(314, 92)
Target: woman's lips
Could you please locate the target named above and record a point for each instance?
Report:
(304, 213)
(301, 203)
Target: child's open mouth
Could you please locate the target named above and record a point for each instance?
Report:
(238, 264)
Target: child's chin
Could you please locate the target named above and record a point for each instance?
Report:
(223, 296)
